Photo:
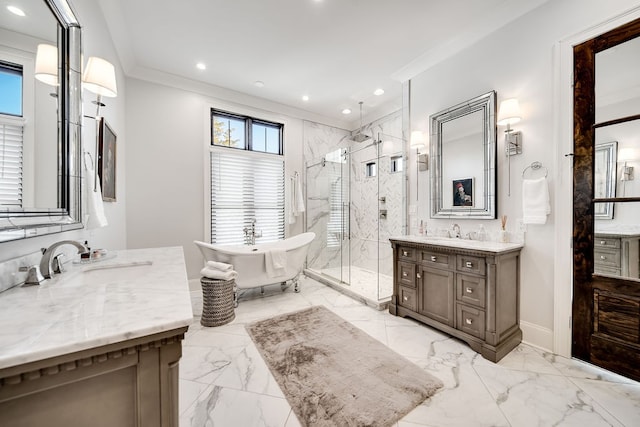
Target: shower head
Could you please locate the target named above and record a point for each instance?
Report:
(360, 137)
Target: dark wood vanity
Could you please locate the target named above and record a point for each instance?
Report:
(470, 291)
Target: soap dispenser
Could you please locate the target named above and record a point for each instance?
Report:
(482, 233)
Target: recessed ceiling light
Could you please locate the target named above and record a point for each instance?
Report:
(201, 66)
(346, 111)
(258, 83)
(16, 11)
(305, 98)
(378, 92)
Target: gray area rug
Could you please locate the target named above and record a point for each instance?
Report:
(334, 374)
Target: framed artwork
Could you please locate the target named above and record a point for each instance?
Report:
(605, 178)
(463, 192)
(107, 160)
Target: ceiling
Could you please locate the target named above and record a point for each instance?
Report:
(337, 52)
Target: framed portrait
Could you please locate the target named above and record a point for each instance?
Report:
(107, 160)
(605, 178)
(462, 192)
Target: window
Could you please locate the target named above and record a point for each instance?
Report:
(10, 88)
(11, 134)
(396, 164)
(247, 178)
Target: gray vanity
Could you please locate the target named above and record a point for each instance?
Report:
(468, 289)
(98, 345)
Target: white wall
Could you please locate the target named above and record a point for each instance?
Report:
(168, 135)
(516, 61)
(95, 42)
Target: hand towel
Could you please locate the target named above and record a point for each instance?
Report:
(535, 201)
(95, 217)
(276, 262)
(299, 197)
(222, 266)
(292, 203)
(212, 273)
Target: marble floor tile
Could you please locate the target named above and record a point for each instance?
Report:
(225, 382)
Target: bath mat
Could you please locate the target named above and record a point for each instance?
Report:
(334, 374)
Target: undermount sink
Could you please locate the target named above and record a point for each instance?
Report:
(117, 272)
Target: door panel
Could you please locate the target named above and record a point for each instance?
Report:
(606, 230)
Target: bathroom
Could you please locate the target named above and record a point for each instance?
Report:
(162, 137)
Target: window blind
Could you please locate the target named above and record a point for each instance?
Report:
(245, 186)
(10, 163)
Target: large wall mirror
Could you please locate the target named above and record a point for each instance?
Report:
(463, 160)
(40, 173)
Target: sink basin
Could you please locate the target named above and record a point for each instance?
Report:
(117, 272)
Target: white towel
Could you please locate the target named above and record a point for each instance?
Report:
(296, 205)
(222, 266)
(275, 261)
(213, 273)
(292, 203)
(95, 217)
(535, 201)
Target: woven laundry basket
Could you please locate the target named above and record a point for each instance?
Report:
(217, 301)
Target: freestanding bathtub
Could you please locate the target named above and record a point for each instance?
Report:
(249, 260)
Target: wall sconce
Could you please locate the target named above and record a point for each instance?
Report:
(627, 173)
(100, 78)
(47, 64)
(418, 141)
(508, 114)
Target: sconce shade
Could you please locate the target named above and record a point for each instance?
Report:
(100, 77)
(509, 112)
(47, 64)
(417, 139)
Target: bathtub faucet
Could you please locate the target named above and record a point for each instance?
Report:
(250, 233)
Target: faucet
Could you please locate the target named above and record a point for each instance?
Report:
(456, 231)
(250, 234)
(46, 263)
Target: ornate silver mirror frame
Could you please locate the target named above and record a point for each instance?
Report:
(20, 223)
(463, 154)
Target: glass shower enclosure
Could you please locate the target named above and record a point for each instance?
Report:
(356, 199)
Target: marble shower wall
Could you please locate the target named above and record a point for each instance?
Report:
(370, 248)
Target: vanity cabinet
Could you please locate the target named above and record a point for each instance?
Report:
(617, 254)
(470, 293)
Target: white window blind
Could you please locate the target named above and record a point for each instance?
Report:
(245, 186)
(10, 163)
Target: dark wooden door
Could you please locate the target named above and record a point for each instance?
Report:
(606, 288)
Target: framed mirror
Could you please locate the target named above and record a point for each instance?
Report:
(41, 173)
(463, 160)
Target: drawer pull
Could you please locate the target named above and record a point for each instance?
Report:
(418, 276)
(404, 274)
(468, 321)
(603, 242)
(602, 257)
(468, 290)
(405, 298)
(405, 253)
(468, 264)
(434, 258)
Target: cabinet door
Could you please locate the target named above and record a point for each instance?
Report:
(436, 294)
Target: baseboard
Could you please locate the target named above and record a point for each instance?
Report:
(537, 336)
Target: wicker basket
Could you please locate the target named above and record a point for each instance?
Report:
(217, 301)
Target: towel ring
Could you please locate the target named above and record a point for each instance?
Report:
(534, 167)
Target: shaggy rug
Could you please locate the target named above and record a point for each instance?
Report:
(334, 374)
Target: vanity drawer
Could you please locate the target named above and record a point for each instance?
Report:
(436, 259)
(470, 320)
(606, 242)
(407, 298)
(607, 258)
(407, 274)
(406, 254)
(471, 290)
(471, 264)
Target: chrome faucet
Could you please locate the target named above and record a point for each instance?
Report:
(250, 234)
(456, 231)
(47, 261)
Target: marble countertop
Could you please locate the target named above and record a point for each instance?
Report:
(475, 245)
(132, 294)
(624, 230)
